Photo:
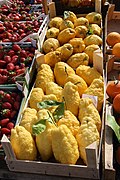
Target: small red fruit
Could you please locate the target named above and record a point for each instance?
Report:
(16, 47)
(7, 97)
(23, 53)
(13, 114)
(16, 105)
(10, 66)
(5, 131)
(10, 125)
(2, 93)
(6, 105)
(11, 53)
(14, 59)
(2, 64)
(6, 113)
(20, 71)
(4, 122)
(18, 98)
(7, 59)
(14, 94)
(5, 72)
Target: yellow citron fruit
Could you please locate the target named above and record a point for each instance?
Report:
(65, 35)
(79, 82)
(52, 58)
(51, 44)
(52, 33)
(61, 71)
(23, 144)
(44, 142)
(55, 22)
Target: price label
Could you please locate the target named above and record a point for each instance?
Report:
(94, 98)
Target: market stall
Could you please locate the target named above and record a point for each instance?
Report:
(55, 67)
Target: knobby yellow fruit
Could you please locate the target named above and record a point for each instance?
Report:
(66, 51)
(81, 31)
(87, 134)
(29, 118)
(93, 39)
(81, 21)
(36, 97)
(64, 145)
(79, 82)
(44, 142)
(51, 44)
(55, 22)
(52, 58)
(89, 50)
(66, 24)
(70, 121)
(87, 109)
(65, 35)
(52, 33)
(94, 18)
(78, 59)
(53, 88)
(71, 97)
(23, 144)
(44, 75)
(88, 73)
(61, 71)
(78, 45)
(97, 89)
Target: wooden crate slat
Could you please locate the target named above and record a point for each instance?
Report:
(53, 169)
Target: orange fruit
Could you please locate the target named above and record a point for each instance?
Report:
(116, 50)
(116, 103)
(113, 38)
(113, 88)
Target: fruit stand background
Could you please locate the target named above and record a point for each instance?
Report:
(17, 175)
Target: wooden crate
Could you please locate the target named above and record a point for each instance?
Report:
(54, 8)
(113, 20)
(80, 170)
(109, 171)
(90, 171)
(112, 70)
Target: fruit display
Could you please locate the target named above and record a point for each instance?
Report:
(10, 101)
(14, 60)
(63, 114)
(60, 120)
(16, 31)
(113, 94)
(18, 11)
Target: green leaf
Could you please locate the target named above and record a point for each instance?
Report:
(90, 31)
(113, 124)
(59, 112)
(47, 104)
(39, 127)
